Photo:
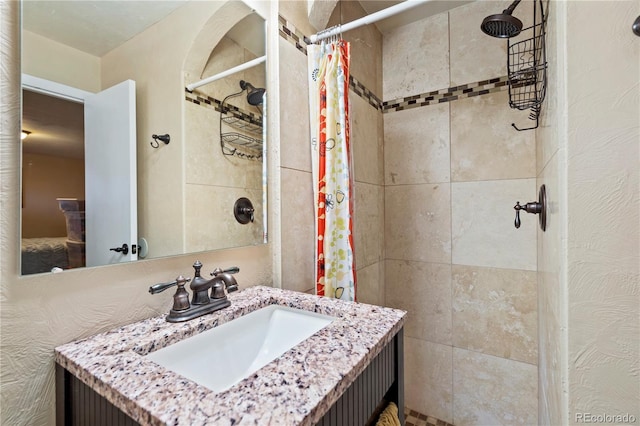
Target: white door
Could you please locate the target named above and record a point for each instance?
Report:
(110, 174)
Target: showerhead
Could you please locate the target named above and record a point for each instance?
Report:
(254, 95)
(502, 25)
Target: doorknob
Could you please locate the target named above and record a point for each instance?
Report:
(124, 249)
(536, 207)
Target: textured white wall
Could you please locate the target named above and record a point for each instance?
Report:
(588, 155)
(38, 313)
(603, 199)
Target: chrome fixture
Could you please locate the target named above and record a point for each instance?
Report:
(636, 26)
(202, 302)
(536, 207)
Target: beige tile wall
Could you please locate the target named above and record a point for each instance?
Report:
(489, 390)
(454, 260)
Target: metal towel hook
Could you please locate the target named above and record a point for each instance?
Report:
(163, 138)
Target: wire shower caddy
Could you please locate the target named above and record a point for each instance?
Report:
(527, 69)
(247, 143)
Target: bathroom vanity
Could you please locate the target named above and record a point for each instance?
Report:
(343, 374)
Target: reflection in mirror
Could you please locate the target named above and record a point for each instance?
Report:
(186, 190)
(52, 167)
(80, 161)
(225, 133)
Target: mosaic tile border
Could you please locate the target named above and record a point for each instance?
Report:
(449, 94)
(414, 418)
(289, 32)
(366, 94)
(215, 104)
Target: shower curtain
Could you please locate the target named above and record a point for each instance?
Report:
(335, 274)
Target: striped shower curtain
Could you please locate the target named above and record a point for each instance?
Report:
(335, 274)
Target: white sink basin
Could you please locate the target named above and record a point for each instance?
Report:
(223, 356)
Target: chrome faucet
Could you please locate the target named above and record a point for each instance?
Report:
(201, 302)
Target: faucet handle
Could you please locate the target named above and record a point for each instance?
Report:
(160, 287)
(232, 270)
(230, 283)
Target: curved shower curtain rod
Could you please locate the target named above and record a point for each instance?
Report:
(366, 20)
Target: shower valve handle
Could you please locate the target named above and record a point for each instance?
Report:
(532, 207)
(536, 207)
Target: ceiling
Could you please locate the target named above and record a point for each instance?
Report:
(56, 125)
(94, 27)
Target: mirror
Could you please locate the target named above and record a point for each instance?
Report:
(187, 188)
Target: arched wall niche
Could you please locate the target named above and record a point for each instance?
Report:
(212, 32)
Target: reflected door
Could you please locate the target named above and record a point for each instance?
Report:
(110, 175)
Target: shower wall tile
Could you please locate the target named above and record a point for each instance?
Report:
(495, 312)
(370, 284)
(482, 219)
(424, 291)
(548, 135)
(417, 146)
(493, 391)
(218, 201)
(202, 131)
(418, 222)
(475, 55)
(366, 45)
(368, 223)
(416, 58)
(297, 15)
(298, 233)
(295, 150)
(367, 142)
(484, 145)
(550, 300)
(429, 386)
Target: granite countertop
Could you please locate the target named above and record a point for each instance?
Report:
(295, 389)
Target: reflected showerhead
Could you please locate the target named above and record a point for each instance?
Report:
(502, 25)
(254, 95)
